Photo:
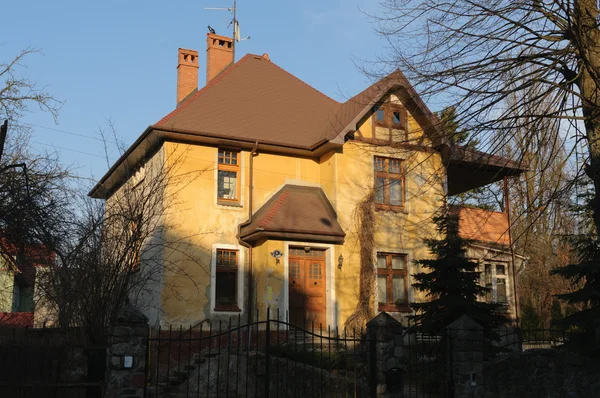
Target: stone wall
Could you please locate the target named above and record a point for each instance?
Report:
(540, 373)
(402, 368)
(387, 334)
(126, 355)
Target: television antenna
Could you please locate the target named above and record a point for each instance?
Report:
(234, 22)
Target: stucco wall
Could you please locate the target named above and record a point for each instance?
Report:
(346, 176)
(6, 289)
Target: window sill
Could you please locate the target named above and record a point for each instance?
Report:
(227, 308)
(393, 209)
(228, 203)
(390, 307)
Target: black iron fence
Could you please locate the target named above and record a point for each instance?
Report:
(49, 362)
(273, 357)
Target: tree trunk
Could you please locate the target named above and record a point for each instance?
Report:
(586, 13)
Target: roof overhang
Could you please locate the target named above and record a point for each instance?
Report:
(306, 236)
(468, 169)
(153, 137)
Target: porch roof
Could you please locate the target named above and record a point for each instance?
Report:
(295, 213)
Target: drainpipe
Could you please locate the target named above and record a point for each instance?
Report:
(253, 153)
(512, 250)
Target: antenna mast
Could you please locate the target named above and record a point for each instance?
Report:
(234, 22)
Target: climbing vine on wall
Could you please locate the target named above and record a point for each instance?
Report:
(365, 219)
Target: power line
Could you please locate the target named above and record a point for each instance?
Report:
(73, 134)
(66, 132)
(68, 149)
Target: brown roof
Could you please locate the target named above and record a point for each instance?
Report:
(297, 212)
(482, 225)
(255, 99)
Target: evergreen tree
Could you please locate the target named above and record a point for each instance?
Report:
(452, 283)
(585, 278)
(450, 125)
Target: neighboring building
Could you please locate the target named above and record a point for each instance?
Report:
(17, 283)
(491, 249)
(298, 192)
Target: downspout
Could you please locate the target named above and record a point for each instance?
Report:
(512, 250)
(253, 153)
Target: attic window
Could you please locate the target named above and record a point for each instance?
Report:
(390, 116)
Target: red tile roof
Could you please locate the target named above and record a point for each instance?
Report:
(482, 225)
(16, 319)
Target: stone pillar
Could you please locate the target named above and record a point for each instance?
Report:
(386, 333)
(465, 356)
(126, 354)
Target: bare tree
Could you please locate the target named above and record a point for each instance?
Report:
(17, 92)
(114, 251)
(524, 71)
(478, 54)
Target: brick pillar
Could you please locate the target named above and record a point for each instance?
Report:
(465, 356)
(126, 354)
(386, 333)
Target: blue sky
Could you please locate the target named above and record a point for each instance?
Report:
(117, 59)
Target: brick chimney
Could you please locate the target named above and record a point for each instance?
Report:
(187, 73)
(219, 54)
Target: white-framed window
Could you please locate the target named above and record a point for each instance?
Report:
(495, 278)
(226, 278)
(228, 176)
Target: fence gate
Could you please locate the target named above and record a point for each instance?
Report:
(270, 358)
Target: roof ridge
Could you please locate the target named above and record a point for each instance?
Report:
(467, 207)
(275, 207)
(211, 83)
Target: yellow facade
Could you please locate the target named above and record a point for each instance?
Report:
(199, 225)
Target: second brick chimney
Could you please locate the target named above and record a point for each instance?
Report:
(187, 73)
(219, 54)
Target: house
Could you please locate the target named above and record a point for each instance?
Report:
(17, 283)
(490, 247)
(307, 205)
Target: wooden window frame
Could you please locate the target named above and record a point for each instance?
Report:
(389, 272)
(388, 120)
(227, 307)
(232, 168)
(386, 187)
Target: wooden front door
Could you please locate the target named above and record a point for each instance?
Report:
(307, 288)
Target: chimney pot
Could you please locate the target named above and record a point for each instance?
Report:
(219, 54)
(187, 73)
